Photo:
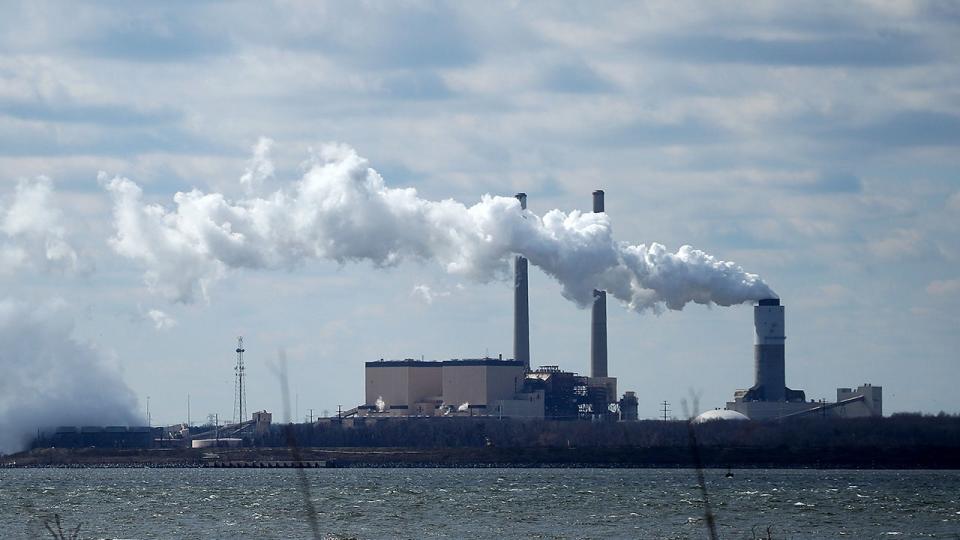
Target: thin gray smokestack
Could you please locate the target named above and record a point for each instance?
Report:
(521, 304)
(598, 317)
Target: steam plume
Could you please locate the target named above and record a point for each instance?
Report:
(31, 232)
(51, 379)
(341, 209)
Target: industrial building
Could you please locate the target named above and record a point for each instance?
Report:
(769, 398)
(512, 388)
(499, 387)
(103, 436)
(468, 386)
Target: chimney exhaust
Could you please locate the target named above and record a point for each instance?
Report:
(521, 304)
(598, 317)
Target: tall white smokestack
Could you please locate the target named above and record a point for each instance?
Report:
(598, 317)
(768, 351)
(521, 304)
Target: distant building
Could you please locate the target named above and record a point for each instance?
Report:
(863, 401)
(103, 437)
(487, 386)
(769, 398)
(483, 386)
(261, 422)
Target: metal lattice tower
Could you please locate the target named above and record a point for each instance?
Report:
(240, 390)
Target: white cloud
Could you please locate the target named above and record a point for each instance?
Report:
(161, 321)
(426, 294)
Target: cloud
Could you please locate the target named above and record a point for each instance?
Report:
(575, 78)
(146, 233)
(944, 287)
(260, 168)
(426, 294)
(153, 37)
(899, 244)
(835, 182)
(907, 129)
(161, 321)
(75, 139)
(102, 114)
(342, 210)
(31, 230)
(385, 36)
(52, 379)
(415, 85)
(650, 132)
(880, 50)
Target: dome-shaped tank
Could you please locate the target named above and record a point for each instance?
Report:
(719, 414)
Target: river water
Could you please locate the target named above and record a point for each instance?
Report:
(478, 503)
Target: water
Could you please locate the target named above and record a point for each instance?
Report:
(479, 503)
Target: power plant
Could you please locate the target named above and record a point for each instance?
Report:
(769, 397)
(512, 389)
(509, 388)
(498, 387)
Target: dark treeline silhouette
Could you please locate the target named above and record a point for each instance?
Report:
(899, 431)
(898, 441)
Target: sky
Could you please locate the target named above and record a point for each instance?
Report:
(814, 145)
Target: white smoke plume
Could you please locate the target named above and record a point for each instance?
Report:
(31, 231)
(49, 378)
(341, 209)
(260, 167)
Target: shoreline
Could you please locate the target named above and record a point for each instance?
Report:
(854, 458)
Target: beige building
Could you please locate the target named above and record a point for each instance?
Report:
(484, 386)
(482, 381)
(398, 384)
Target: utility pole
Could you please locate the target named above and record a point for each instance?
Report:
(665, 410)
(339, 412)
(148, 412)
(311, 416)
(188, 410)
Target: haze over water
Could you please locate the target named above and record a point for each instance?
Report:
(480, 503)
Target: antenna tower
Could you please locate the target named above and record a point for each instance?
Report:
(240, 390)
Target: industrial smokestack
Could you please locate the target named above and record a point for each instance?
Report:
(598, 201)
(768, 351)
(521, 305)
(598, 317)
